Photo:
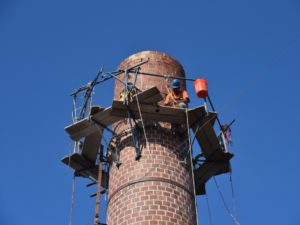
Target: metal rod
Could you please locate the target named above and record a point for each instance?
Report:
(160, 75)
(74, 114)
(91, 184)
(135, 76)
(210, 102)
(114, 74)
(105, 127)
(97, 208)
(229, 125)
(89, 85)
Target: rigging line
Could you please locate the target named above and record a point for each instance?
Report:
(191, 162)
(198, 128)
(263, 72)
(72, 201)
(138, 104)
(101, 133)
(208, 208)
(235, 220)
(232, 192)
(74, 116)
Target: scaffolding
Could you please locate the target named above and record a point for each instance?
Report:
(90, 160)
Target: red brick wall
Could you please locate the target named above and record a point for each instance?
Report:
(157, 189)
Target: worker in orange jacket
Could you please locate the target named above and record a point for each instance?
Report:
(177, 98)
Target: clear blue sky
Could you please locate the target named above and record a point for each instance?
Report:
(249, 51)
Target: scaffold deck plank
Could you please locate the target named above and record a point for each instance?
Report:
(151, 95)
(87, 127)
(199, 115)
(81, 165)
(86, 169)
(150, 112)
(209, 142)
(206, 171)
(91, 145)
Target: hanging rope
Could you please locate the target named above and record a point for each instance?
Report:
(144, 130)
(198, 128)
(72, 200)
(235, 220)
(209, 210)
(232, 193)
(191, 161)
(101, 133)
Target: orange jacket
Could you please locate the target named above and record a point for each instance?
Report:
(173, 99)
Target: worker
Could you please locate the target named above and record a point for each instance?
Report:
(177, 98)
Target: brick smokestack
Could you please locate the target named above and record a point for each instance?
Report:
(157, 189)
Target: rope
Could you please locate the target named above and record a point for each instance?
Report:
(101, 133)
(191, 161)
(72, 201)
(208, 208)
(235, 220)
(232, 193)
(199, 128)
(138, 104)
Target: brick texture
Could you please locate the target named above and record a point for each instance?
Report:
(158, 188)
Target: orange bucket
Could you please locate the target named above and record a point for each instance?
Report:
(201, 88)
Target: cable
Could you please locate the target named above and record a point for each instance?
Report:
(192, 165)
(235, 220)
(138, 104)
(232, 193)
(72, 201)
(197, 129)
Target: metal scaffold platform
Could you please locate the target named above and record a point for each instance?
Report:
(216, 158)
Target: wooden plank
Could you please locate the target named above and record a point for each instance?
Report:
(150, 112)
(207, 139)
(81, 165)
(163, 113)
(80, 129)
(199, 113)
(206, 171)
(91, 145)
(87, 127)
(85, 168)
(154, 99)
(95, 109)
(105, 117)
(201, 190)
(151, 95)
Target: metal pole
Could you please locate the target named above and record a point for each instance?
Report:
(210, 102)
(97, 209)
(160, 75)
(98, 196)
